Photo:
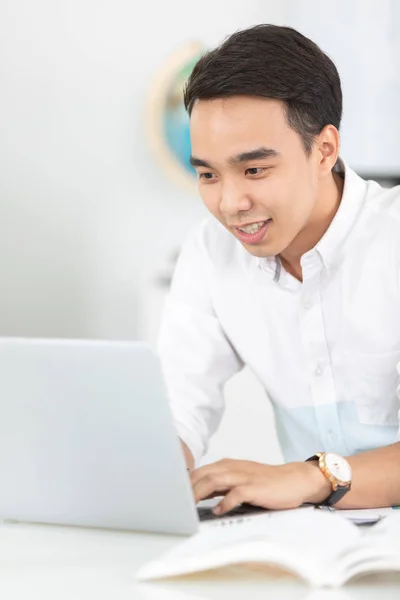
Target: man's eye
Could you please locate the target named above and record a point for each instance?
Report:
(254, 171)
(206, 176)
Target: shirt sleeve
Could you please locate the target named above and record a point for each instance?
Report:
(398, 381)
(196, 356)
(398, 395)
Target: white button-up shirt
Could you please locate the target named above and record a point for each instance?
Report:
(326, 350)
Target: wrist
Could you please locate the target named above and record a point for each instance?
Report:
(319, 487)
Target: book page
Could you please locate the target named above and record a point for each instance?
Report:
(290, 539)
(378, 550)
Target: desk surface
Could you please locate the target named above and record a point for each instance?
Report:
(48, 562)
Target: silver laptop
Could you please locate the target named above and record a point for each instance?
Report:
(87, 438)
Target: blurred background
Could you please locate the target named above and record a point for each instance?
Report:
(95, 193)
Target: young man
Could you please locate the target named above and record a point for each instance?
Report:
(296, 274)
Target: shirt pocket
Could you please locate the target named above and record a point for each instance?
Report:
(372, 382)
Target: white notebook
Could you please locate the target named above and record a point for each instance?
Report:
(319, 547)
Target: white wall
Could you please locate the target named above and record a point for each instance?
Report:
(362, 37)
(87, 218)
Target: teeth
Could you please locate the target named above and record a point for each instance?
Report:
(253, 228)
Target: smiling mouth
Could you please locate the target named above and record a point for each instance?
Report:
(253, 233)
(252, 227)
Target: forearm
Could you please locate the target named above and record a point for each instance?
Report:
(375, 483)
(188, 456)
(376, 479)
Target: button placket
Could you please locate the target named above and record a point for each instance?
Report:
(319, 369)
(316, 348)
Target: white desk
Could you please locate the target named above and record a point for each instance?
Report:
(49, 562)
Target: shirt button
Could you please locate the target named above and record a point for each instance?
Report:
(319, 370)
(307, 303)
(331, 436)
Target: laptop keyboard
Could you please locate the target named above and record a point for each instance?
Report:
(206, 514)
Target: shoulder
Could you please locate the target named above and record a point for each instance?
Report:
(378, 230)
(382, 202)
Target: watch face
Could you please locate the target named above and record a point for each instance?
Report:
(338, 467)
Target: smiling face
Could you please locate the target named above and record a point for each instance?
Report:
(254, 172)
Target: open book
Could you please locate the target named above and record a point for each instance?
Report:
(321, 548)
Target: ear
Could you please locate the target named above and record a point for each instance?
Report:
(328, 143)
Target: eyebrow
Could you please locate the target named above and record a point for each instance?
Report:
(198, 162)
(257, 154)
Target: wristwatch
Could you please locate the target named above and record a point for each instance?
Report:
(338, 471)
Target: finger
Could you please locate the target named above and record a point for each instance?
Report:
(215, 467)
(215, 495)
(215, 483)
(226, 464)
(236, 496)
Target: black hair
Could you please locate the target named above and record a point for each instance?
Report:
(273, 62)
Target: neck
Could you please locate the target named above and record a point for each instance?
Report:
(325, 209)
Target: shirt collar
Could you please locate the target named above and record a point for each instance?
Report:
(332, 242)
(271, 265)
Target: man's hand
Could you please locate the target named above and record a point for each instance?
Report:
(274, 487)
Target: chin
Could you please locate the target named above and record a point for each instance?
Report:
(261, 252)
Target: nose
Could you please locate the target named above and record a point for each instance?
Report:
(234, 199)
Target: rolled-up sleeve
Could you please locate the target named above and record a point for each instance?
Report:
(197, 358)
